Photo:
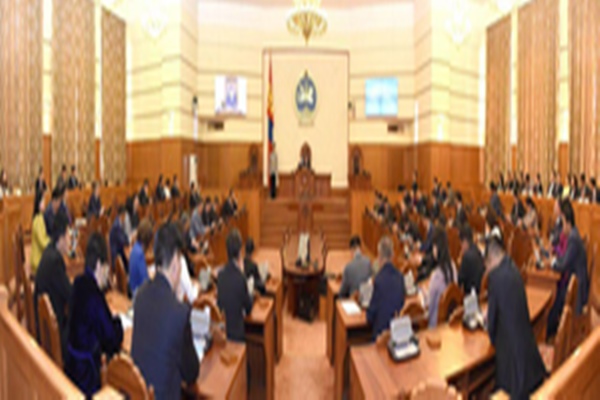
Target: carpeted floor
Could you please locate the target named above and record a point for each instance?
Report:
(303, 372)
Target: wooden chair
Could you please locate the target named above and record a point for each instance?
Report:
(417, 315)
(457, 316)
(554, 356)
(434, 390)
(483, 289)
(451, 299)
(49, 333)
(121, 276)
(21, 276)
(592, 259)
(571, 295)
(122, 374)
(454, 244)
(582, 327)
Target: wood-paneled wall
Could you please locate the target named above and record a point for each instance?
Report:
(220, 164)
(391, 165)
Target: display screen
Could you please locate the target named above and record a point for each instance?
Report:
(230, 95)
(381, 97)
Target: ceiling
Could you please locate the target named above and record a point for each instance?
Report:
(324, 3)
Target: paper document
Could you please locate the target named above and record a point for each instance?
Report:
(471, 304)
(200, 320)
(350, 307)
(250, 285)
(401, 330)
(365, 292)
(204, 278)
(126, 320)
(263, 270)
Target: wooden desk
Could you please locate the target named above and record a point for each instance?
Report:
(320, 184)
(464, 360)
(260, 340)
(274, 289)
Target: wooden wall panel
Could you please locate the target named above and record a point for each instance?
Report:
(97, 155)
(47, 159)
(220, 164)
(563, 159)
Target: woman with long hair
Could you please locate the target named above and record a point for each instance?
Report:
(444, 273)
(39, 235)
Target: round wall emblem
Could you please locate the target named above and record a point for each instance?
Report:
(306, 99)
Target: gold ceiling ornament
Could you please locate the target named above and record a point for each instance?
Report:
(458, 25)
(307, 18)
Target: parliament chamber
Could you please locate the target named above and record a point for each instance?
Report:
(299, 199)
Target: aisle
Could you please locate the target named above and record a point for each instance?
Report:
(303, 372)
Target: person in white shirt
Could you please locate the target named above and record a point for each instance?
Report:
(273, 167)
(167, 189)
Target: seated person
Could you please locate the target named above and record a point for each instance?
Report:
(214, 210)
(410, 230)
(388, 290)
(39, 235)
(73, 181)
(143, 196)
(195, 198)
(138, 270)
(232, 290)
(118, 238)
(229, 206)
(93, 330)
(538, 188)
(132, 218)
(94, 205)
(162, 346)
(167, 189)
(197, 228)
(519, 366)
(52, 210)
(51, 277)
(472, 265)
(175, 193)
(159, 192)
(495, 203)
(357, 271)
(573, 262)
(251, 269)
(518, 211)
(461, 215)
(530, 220)
(207, 215)
(444, 273)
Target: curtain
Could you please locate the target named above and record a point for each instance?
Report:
(113, 97)
(537, 87)
(584, 22)
(497, 125)
(21, 91)
(73, 77)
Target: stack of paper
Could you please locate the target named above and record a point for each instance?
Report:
(350, 307)
(401, 330)
(200, 320)
(263, 270)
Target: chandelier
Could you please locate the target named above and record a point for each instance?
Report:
(154, 19)
(459, 24)
(307, 18)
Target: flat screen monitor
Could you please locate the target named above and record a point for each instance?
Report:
(230, 95)
(381, 97)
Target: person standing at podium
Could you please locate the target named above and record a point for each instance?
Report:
(273, 167)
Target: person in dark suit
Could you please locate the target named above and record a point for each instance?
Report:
(595, 195)
(229, 207)
(143, 195)
(472, 265)
(159, 192)
(538, 187)
(195, 198)
(574, 262)
(232, 291)
(51, 210)
(40, 183)
(357, 272)
(410, 230)
(427, 244)
(61, 181)
(518, 210)
(519, 366)
(162, 346)
(251, 269)
(555, 189)
(51, 277)
(175, 192)
(132, 219)
(73, 181)
(118, 238)
(415, 185)
(495, 203)
(584, 190)
(93, 330)
(461, 215)
(94, 204)
(388, 290)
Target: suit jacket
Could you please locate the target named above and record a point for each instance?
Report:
(197, 227)
(159, 192)
(427, 245)
(388, 298)
(517, 212)
(40, 186)
(94, 206)
(355, 274)
(51, 278)
(538, 189)
(175, 193)
(471, 269)
(93, 331)
(251, 270)
(519, 366)
(73, 182)
(233, 298)
(118, 241)
(143, 198)
(162, 346)
(227, 210)
(496, 205)
(194, 200)
(461, 217)
(574, 262)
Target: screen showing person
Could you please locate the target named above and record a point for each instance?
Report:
(230, 95)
